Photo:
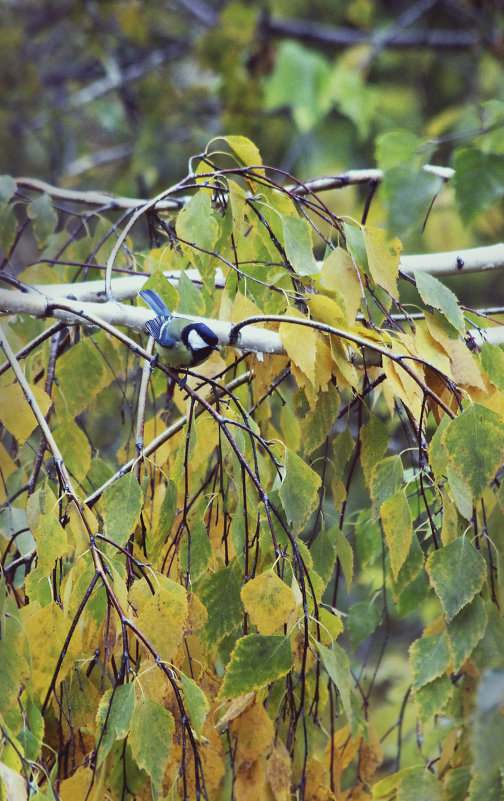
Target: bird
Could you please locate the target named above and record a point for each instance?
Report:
(180, 344)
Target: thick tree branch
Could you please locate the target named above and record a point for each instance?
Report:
(107, 199)
(332, 36)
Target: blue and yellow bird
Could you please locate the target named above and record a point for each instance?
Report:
(180, 344)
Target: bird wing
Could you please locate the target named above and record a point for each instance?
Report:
(158, 328)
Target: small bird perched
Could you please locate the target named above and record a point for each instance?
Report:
(180, 344)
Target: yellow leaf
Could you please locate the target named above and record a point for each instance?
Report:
(278, 772)
(250, 781)
(254, 732)
(46, 630)
(268, 601)
(234, 708)
(326, 310)
(15, 412)
(431, 350)
(76, 787)
(7, 467)
(340, 275)
(300, 342)
(163, 615)
(464, 366)
(242, 308)
(383, 258)
(317, 786)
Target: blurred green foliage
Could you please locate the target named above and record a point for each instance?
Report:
(120, 95)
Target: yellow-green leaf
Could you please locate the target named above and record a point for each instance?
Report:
(220, 593)
(268, 601)
(430, 657)
(120, 507)
(299, 490)
(397, 525)
(437, 295)
(195, 703)
(457, 573)
(75, 448)
(256, 661)
(465, 630)
(113, 717)
(298, 245)
(475, 445)
(150, 739)
(162, 615)
(337, 665)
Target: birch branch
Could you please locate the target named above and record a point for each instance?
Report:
(251, 338)
(453, 262)
(98, 198)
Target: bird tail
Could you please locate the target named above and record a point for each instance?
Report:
(156, 303)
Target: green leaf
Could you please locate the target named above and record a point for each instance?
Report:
(31, 735)
(487, 735)
(120, 507)
(195, 702)
(196, 551)
(475, 444)
(191, 299)
(168, 510)
(429, 657)
(354, 97)
(407, 194)
(433, 697)
(492, 361)
(81, 375)
(420, 785)
(300, 81)
(44, 218)
(363, 618)
(150, 739)
(323, 552)
(14, 668)
(115, 723)
(457, 573)
(435, 294)
(398, 147)
(374, 439)
(256, 661)
(465, 630)
(337, 665)
(198, 227)
(478, 181)
(298, 490)
(356, 244)
(8, 188)
(385, 481)
(456, 784)
(75, 448)
(220, 593)
(298, 245)
(196, 223)
(317, 425)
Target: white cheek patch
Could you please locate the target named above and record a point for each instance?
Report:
(195, 341)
